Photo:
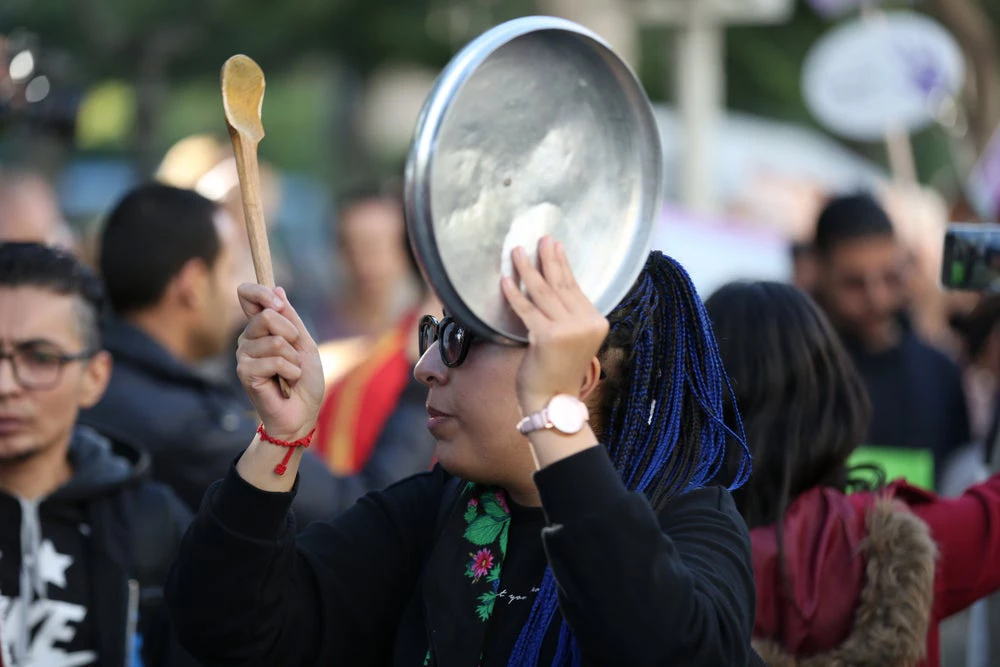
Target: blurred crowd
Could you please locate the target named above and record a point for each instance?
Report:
(171, 259)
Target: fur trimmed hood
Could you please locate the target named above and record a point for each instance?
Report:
(887, 614)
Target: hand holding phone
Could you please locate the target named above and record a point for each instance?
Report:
(971, 257)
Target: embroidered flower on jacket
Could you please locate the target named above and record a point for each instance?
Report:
(502, 500)
(487, 519)
(482, 563)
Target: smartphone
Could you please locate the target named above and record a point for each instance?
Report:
(971, 257)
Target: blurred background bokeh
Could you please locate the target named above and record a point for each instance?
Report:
(99, 94)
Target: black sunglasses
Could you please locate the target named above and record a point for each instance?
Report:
(454, 339)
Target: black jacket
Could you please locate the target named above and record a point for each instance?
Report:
(192, 427)
(85, 565)
(636, 588)
(918, 401)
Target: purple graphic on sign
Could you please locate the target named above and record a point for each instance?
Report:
(924, 70)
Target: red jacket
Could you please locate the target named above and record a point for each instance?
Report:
(868, 577)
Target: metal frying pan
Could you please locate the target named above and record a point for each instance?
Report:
(536, 127)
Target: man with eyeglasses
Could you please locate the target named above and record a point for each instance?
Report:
(85, 539)
(919, 413)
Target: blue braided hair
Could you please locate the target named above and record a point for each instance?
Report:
(662, 418)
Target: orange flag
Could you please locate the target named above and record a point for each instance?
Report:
(357, 406)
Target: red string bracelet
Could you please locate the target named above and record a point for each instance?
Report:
(301, 442)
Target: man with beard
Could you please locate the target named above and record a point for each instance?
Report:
(919, 413)
(86, 539)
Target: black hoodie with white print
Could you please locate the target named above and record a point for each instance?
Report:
(81, 570)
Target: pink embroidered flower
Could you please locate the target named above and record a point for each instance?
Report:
(474, 502)
(502, 500)
(482, 563)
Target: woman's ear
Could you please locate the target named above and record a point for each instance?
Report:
(591, 379)
(592, 393)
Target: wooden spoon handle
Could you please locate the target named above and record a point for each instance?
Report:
(253, 210)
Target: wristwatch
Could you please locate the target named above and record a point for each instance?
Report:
(564, 413)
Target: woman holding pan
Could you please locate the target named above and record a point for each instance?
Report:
(530, 543)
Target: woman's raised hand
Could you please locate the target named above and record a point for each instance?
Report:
(565, 330)
(275, 343)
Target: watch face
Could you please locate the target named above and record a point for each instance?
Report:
(567, 414)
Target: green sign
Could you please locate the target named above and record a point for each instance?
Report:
(916, 466)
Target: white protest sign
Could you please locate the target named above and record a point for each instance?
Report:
(868, 77)
(715, 250)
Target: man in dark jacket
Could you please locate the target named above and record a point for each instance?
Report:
(170, 260)
(85, 539)
(918, 403)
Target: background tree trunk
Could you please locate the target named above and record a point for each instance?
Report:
(977, 35)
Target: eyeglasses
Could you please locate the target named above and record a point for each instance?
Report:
(454, 339)
(36, 368)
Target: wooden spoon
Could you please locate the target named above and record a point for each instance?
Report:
(242, 99)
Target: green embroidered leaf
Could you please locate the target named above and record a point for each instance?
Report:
(493, 507)
(503, 540)
(494, 574)
(484, 530)
(485, 610)
(427, 659)
(470, 513)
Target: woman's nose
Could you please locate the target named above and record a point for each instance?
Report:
(430, 368)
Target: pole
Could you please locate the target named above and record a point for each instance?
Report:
(611, 19)
(700, 97)
(898, 143)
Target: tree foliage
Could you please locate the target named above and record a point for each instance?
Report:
(156, 42)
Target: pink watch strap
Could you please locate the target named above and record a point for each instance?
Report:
(537, 421)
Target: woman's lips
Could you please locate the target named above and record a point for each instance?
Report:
(437, 419)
